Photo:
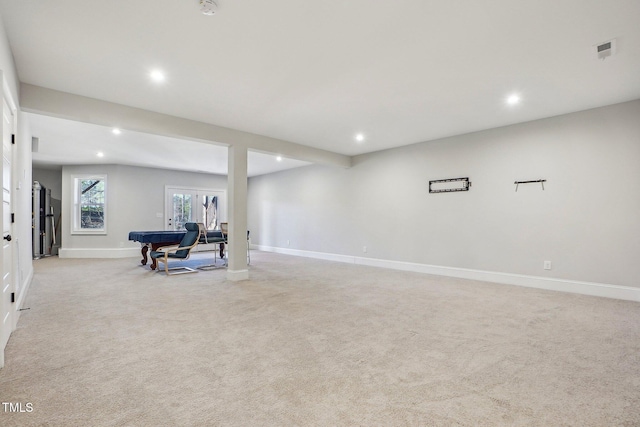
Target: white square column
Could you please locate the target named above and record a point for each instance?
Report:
(237, 197)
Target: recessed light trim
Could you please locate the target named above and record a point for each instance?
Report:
(100, 154)
(279, 158)
(360, 137)
(116, 131)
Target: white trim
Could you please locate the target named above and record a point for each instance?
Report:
(563, 285)
(76, 228)
(99, 252)
(9, 321)
(24, 290)
(307, 254)
(7, 94)
(237, 275)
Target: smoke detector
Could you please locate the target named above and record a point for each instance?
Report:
(208, 7)
(606, 49)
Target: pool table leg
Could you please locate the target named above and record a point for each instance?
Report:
(144, 250)
(155, 247)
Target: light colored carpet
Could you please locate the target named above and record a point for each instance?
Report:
(314, 343)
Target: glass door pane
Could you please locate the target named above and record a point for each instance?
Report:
(180, 209)
(194, 205)
(209, 212)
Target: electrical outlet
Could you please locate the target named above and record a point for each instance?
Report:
(547, 265)
(364, 249)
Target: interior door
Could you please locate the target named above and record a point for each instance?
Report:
(6, 305)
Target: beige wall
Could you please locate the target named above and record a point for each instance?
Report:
(134, 196)
(585, 221)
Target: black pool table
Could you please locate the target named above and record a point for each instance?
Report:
(158, 239)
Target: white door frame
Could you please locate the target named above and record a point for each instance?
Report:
(8, 305)
(222, 202)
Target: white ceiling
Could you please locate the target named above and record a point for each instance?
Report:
(317, 73)
(65, 142)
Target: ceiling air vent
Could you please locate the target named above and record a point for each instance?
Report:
(606, 49)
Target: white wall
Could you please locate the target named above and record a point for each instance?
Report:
(134, 196)
(585, 221)
(7, 64)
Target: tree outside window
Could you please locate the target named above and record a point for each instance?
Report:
(181, 210)
(90, 204)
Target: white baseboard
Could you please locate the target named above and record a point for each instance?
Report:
(562, 285)
(237, 275)
(24, 290)
(99, 252)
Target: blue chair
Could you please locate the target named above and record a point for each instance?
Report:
(180, 252)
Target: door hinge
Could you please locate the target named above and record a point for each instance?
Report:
(13, 138)
(13, 297)
(13, 218)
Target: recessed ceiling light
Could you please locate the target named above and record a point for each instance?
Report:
(116, 131)
(359, 137)
(513, 99)
(157, 76)
(100, 154)
(279, 158)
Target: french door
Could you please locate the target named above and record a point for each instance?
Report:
(184, 205)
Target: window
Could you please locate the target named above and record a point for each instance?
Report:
(90, 204)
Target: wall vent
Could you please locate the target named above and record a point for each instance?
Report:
(606, 49)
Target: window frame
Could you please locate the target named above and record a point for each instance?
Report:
(76, 220)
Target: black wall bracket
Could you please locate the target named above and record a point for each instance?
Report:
(541, 181)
